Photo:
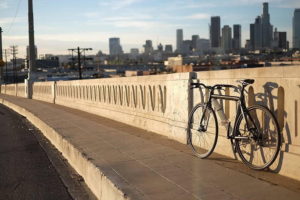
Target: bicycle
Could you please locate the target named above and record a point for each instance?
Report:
(255, 135)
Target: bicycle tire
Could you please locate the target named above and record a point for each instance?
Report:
(203, 147)
(253, 152)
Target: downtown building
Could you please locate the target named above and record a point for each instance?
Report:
(115, 47)
(148, 47)
(280, 40)
(237, 37)
(179, 40)
(296, 29)
(215, 32)
(261, 32)
(226, 41)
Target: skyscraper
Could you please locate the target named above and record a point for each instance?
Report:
(296, 29)
(115, 47)
(215, 30)
(237, 40)
(226, 38)
(258, 33)
(179, 40)
(186, 47)
(194, 41)
(252, 37)
(148, 47)
(261, 32)
(267, 28)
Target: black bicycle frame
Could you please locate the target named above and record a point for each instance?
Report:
(241, 107)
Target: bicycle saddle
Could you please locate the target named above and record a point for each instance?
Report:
(246, 81)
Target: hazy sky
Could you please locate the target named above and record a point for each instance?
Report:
(63, 24)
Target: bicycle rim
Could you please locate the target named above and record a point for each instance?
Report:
(261, 148)
(202, 142)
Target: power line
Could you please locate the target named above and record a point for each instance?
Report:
(16, 13)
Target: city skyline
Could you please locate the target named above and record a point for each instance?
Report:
(133, 21)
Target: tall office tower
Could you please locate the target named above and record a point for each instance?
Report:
(215, 32)
(148, 48)
(267, 28)
(237, 40)
(226, 38)
(115, 47)
(186, 47)
(282, 41)
(168, 48)
(194, 41)
(179, 40)
(258, 33)
(252, 37)
(296, 29)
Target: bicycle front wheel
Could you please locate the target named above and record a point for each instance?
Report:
(258, 144)
(202, 136)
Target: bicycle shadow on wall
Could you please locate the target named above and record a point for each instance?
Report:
(267, 98)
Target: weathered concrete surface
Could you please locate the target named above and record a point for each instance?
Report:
(161, 103)
(25, 170)
(121, 162)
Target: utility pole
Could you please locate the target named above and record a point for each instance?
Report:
(79, 52)
(32, 55)
(6, 75)
(14, 52)
(1, 57)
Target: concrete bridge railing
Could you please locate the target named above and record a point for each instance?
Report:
(161, 103)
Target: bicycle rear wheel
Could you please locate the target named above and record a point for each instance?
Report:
(259, 145)
(202, 137)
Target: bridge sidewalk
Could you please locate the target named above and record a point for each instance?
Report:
(122, 162)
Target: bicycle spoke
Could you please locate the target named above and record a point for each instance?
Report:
(202, 134)
(261, 149)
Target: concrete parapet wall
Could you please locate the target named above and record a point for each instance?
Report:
(20, 87)
(43, 91)
(17, 89)
(161, 103)
(154, 103)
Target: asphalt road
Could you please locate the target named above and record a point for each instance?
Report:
(25, 170)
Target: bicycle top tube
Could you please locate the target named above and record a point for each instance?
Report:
(244, 83)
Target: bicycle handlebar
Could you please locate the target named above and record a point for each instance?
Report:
(220, 86)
